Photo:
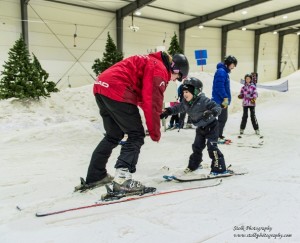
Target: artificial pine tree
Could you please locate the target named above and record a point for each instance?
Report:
(47, 86)
(16, 70)
(174, 46)
(21, 78)
(110, 57)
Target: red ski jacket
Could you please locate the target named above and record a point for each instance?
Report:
(140, 80)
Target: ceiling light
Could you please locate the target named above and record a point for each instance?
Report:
(200, 26)
(138, 12)
(134, 28)
(285, 17)
(244, 12)
(298, 33)
(244, 28)
(275, 32)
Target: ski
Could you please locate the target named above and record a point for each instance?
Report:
(125, 199)
(225, 141)
(201, 178)
(259, 136)
(250, 141)
(172, 128)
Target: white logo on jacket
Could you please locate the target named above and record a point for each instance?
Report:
(163, 83)
(105, 85)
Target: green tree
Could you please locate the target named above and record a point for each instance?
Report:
(47, 87)
(174, 46)
(110, 57)
(21, 78)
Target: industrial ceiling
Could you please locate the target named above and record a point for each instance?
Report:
(231, 14)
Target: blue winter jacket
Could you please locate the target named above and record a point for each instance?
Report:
(221, 84)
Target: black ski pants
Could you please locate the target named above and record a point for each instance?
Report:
(174, 120)
(222, 119)
(181, 119)
(118, 119)
(252, 115)
(209, 133)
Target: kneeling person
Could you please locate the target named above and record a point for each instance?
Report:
(203, 112)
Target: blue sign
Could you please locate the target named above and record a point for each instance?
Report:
(200, 54)
(201, 62)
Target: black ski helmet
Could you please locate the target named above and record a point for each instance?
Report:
(180, 64)
(229, 60)
(195, 83)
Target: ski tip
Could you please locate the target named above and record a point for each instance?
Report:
(169, 178)
(40, 215)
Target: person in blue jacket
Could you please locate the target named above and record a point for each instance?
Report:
(221, 90)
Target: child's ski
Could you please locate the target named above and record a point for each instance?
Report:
(252, 141)
(125, 199)
(200, 177)
(203, 177)
(225, 141)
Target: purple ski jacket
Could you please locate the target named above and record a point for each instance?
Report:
(249, 92)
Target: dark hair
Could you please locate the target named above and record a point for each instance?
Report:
(248, 75)
(229, 60)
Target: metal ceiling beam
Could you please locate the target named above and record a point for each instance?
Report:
(260, 18)
(80, 6)
(257, 35)
(276, 27)
(123, 12)
(24, 17)
(128, 9)
(210, 16)
(289, 31)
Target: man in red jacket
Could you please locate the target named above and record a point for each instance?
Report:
(135, 81)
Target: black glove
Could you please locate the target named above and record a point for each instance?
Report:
(166, 113)
(206, 114)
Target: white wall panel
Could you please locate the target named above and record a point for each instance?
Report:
(10, 27)
(51, 36)
(267, 59)
(289, 56)
(150, 35)
(203, 39)
(241, 45)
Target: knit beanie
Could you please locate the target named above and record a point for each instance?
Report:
(189, 88)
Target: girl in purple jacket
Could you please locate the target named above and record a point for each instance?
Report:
(249, 95)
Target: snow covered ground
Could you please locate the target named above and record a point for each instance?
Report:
(46, 146)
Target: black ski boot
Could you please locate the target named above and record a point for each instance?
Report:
(127, 188)
(84, 186)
